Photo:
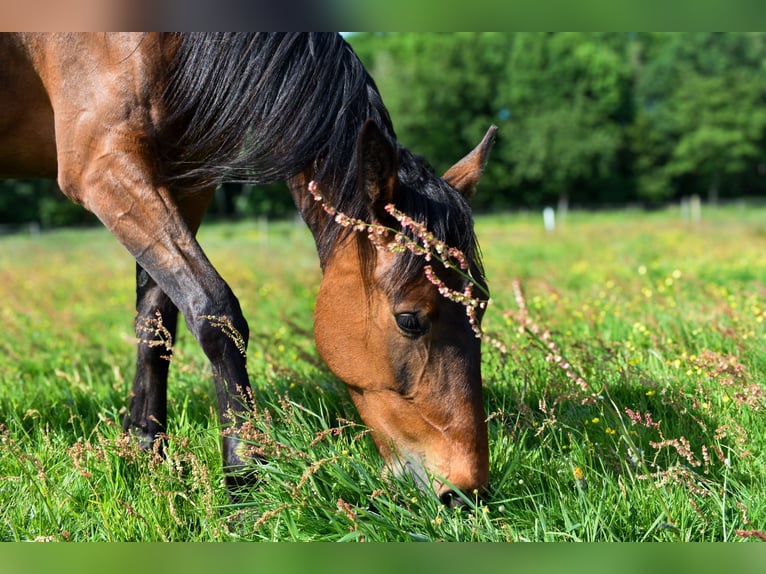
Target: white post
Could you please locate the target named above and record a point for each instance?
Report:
(695, 207)
(549, 219)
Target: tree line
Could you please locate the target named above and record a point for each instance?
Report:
(588, 119)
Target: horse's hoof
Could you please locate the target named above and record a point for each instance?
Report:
(240, 469)
(147, 440)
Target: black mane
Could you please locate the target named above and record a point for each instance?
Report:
(259, 108)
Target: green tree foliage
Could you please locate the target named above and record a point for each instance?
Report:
(718, 135)
(38, 201)
(565, 98)
(700, 115)
(586, 118)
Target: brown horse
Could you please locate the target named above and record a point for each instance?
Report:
(140, 128)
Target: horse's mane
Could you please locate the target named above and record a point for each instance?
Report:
(259, 108)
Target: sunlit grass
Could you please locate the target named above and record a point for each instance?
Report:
(663, 321)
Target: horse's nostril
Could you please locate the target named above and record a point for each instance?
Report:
(451, 499)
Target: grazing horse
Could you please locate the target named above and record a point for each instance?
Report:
(141, 128)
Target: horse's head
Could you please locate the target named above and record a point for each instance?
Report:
(409, 355)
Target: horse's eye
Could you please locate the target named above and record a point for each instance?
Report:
(410, 324)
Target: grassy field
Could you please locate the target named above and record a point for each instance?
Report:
(627, 403)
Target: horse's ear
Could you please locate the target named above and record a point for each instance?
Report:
(464, 175)
(377, 162)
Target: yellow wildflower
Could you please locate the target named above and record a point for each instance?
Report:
(579, 477)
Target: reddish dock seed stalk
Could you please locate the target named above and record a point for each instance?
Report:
(543, 338)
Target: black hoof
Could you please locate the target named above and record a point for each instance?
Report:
(240, 469)
(147, 440)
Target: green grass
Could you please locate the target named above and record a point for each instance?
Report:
(664, 321)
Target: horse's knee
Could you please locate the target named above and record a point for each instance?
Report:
(222, 330)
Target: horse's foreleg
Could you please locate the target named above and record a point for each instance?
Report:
(156, 318)
(152, 225)
(106, 106)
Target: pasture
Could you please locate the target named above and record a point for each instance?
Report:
(626, 402)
